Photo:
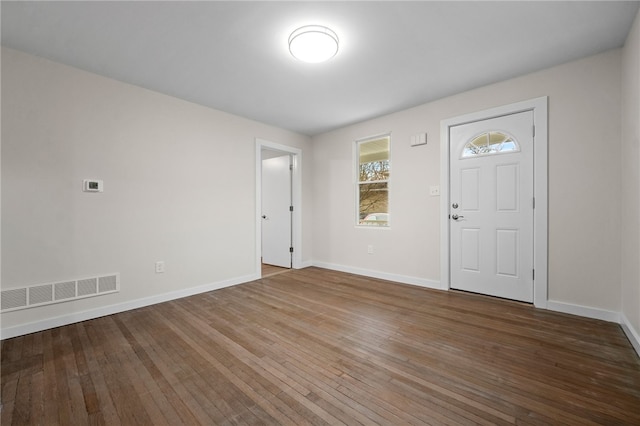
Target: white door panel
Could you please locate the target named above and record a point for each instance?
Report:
(507, 188)
(470, 249)
(507, 252)
(491, 211)
(276, 216)
(470, 188)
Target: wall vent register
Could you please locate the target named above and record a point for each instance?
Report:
(63, 291)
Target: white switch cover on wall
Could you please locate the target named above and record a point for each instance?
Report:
(434, 190)
(419, 139)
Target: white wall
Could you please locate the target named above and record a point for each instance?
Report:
(584, 184)
(630, 209)
(168, 164)
(179, 186)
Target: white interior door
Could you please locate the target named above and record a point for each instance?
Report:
(491, 206)
(276, 214)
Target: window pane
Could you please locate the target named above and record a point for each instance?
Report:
(374, 171)
(374, 204)
(489, 143)
(374, 150)
(373, 181)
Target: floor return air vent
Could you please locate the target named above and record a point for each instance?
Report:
(64, 291)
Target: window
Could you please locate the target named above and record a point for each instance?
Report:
(493, 142)
(373, 181)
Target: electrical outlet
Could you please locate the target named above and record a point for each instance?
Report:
(434, 191)
(370, 249)
(160, 267)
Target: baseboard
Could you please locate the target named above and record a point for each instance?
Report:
(306, 264)
(20, 330)
(421, 282)
(632, 334)
(583, 311)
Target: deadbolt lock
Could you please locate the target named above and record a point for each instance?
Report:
(454, 205)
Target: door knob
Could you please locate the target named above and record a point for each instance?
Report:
(456, 217)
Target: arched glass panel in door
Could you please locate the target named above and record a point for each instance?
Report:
(493, 142)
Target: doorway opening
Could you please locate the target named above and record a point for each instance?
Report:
(278, 212)
(277, 209)
(270, 270)
(486, 244)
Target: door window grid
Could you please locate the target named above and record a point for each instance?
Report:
(493, 142)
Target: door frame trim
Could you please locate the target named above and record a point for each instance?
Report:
(296, 188)
(540, 189)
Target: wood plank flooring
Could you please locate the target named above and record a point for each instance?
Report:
(268, 270)
(316, 347)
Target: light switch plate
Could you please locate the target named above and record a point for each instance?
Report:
(419, 139)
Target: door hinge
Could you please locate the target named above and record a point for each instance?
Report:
(534, 202)
(533, 274)
(290, 208)
(291, 167)
(534, 131)
(290, 249)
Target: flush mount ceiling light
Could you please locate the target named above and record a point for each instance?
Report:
(313, 43)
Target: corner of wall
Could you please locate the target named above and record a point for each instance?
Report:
(632, 334)
(630, 159)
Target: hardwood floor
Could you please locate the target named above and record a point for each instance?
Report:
(268, 270)
(319, 347)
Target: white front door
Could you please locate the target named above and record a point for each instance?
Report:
(491, 206)
(276, 214)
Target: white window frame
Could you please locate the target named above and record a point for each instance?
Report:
(356, 179)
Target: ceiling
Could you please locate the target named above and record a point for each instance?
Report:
(233, 56)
